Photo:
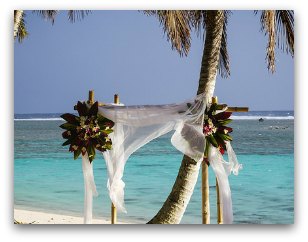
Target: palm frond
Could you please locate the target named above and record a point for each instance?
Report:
(285, 30)
(176, 25)
(74, 15)
(279, 26)
(47, 14)
(268, 23)
(22, 32)
(224, 61)
(198, 22)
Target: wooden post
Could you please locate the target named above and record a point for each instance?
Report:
(116, 99)
(113, 214)
(205, 193)
(219, 210)
(205, 187)
(113, 208)
(91, 97)
(205, 181)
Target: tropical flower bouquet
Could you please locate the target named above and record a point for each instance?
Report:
(215, 130)
(87, 132)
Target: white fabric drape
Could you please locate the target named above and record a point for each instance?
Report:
(135, 126)
(89, 188)
(222, 170)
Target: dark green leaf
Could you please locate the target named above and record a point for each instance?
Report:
(77, 153)
(220, 141)
(107, 131)
(70, 118)
(93, 110)
(91, 152)
(223, 115)
(82, 109)
(212, 109)
(212, 140)
(65, 134)
(68, 142)
(68, 126)
(222, 128)
(224, 122)
(225, 137)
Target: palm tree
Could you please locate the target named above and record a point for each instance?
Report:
(20, 30)
(19, 25)
(177, 25)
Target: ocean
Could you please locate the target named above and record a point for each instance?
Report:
(47, 178)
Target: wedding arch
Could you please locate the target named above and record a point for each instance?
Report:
(117, 131)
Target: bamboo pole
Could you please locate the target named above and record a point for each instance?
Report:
(116, 99)
(205, 187)
(205, 193)
(237, 109)
(232, 109)
(205, 181)
(91, 97)
(113, 208)
(219, 210)
(113, 214)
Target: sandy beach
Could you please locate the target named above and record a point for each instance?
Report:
(34, 217)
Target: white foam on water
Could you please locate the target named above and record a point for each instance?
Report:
(38, 119)
(263, 117)
(232, 117)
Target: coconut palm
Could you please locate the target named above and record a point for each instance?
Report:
(19, 25)
(278, 25)
(20, 30)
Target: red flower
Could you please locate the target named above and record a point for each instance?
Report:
(221, 149)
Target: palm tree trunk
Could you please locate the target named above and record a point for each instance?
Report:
(176, 203)
(17, 20)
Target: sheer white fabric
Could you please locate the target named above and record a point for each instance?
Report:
(135, 126)
(222, 170)
(89, 188)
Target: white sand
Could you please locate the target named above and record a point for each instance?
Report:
(33, 217)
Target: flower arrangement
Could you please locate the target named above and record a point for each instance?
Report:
(87, 132)
(215, 130)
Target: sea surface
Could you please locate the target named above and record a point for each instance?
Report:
(47, 178)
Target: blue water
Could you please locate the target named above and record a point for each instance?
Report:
(47, 178)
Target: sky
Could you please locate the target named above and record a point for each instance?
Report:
(127, 52)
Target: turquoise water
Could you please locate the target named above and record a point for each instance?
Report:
(47, 178)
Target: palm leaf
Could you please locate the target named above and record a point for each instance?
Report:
(285, 30)
(74, 15)
(224, 63)
(47, 14)
(176, 25)
(197, 20)
(279, 26)
(268, 22)
(22, 32)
